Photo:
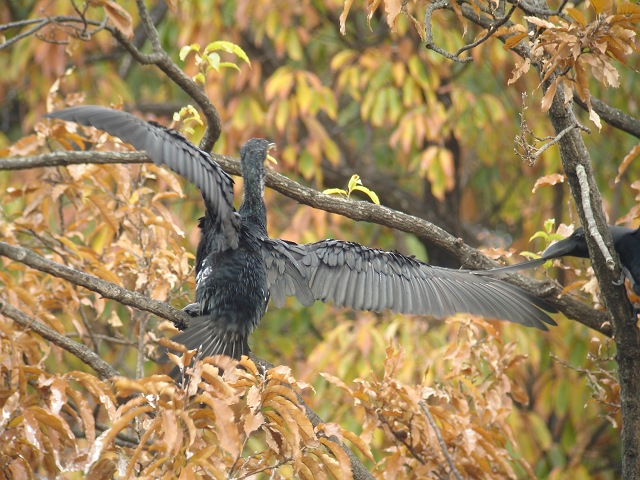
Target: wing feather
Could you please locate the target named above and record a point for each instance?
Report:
(355, 276)
(168, 148)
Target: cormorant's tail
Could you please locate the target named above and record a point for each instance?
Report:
(211, 336)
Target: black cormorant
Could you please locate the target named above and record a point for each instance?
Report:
(238, 267)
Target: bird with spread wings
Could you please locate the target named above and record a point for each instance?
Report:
(239, 268)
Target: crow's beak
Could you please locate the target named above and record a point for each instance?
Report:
(270, 147)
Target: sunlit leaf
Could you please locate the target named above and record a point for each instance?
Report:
(626, 161)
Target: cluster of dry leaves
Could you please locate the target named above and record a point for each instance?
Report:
(459, 423)
(573, 51)
(53, 424)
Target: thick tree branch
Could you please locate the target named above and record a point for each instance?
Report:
(102, 368)
(95, 284)
(468, 256)
(614, 117)
(578, 168)
(577, 165)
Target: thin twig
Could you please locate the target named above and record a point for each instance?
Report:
(530, 153)
(490, 31)
(429, 43)
(443, 446)
(42, 23)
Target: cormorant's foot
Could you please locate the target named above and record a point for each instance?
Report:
(193, 310)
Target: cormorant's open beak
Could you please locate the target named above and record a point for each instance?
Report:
(270, 147)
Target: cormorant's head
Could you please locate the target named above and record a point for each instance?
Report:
(253, 154)
(575, 245)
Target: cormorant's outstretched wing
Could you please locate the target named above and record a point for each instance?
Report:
(499, 271)
(285, 276)
(351, 275)
(168, 147)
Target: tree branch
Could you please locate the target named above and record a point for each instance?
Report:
(443, 445)
(102, 368)
(160, 59)
(578, 169)
(95, 284)
(468, 256)
(429, 43)
(613, 116)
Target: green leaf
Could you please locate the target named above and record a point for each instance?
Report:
(372, 195)
(213, 61)
(549, 224)
(184, 51)
(199, 78)
(335, 191)
(229, 65)
(227, 47)
(353, 181)
(539, 235)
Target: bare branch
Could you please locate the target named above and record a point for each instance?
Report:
(613, 116)
(429, 43)
(531, 153)
(162, 60)
(62, 158)
(39, 26)
(102, 368)
(490, 31)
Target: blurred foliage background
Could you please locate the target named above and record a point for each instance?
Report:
(431, 137)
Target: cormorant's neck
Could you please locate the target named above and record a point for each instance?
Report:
(253, 209)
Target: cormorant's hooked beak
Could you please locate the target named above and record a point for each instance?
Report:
(270, 147)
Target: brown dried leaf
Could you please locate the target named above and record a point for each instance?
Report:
(392, 9)
(626, 161)
(26, 146)
(513, 40)
(340, 468)
(343, 16)
(548, 96)
(86, 414)
(227, 428)
(602, 6)
(360, 444)
(120, 18)
(547, 180)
